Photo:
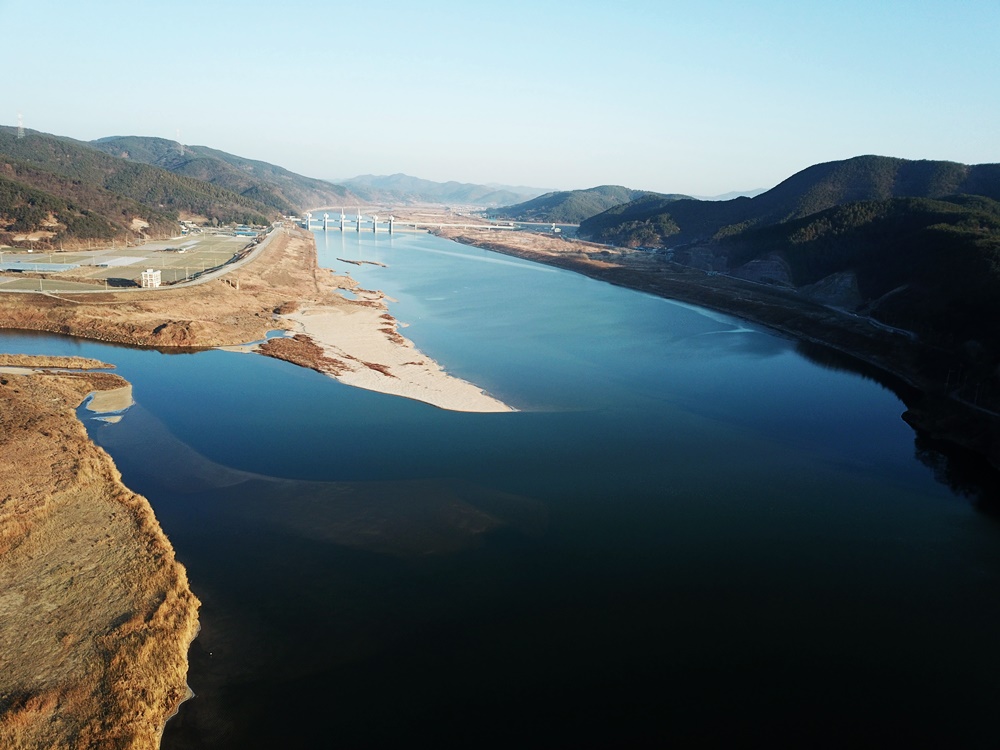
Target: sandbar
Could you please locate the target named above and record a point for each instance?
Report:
(385, 362)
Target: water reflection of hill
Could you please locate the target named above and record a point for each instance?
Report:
(963, 471)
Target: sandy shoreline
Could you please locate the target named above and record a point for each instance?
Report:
(283, 288)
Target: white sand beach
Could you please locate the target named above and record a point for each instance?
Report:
(362, 340)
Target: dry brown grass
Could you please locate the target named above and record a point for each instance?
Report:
(303, 351)
(69, 363)
(374, 366)
(95, 613)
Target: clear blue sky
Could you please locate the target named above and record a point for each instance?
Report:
(695, 97)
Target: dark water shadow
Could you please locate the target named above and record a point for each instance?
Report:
(964, 472)
(837, 361)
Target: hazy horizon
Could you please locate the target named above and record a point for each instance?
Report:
(702, 99)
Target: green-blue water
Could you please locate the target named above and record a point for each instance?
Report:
(693, 531)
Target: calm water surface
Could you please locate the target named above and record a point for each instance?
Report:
(691, 532)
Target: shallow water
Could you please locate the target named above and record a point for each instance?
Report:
(691, 531)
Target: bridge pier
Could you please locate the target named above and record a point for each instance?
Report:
(391, 220)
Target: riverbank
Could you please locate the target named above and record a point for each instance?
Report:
(922, 369)
(96, 615)
(353, 340)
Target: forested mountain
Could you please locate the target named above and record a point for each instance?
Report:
(573, 206)
(265, 183)
(401, 188)
(69, 190)
(929, 266)
(25, 210)
(663, 223)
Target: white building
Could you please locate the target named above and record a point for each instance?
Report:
(150, 278)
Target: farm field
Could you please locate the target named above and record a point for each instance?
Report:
(115, 267)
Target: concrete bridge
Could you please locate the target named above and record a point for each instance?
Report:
(328, 222)
(391, 223)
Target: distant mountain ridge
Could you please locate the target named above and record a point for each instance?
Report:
(573, 206)
(731, 194)
(61, 189)
(265, 183)
(402, 188)
(666, 223)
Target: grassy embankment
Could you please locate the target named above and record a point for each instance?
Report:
(95, 612)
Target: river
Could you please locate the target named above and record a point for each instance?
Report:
(692, 530)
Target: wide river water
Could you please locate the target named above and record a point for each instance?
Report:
(693, 530)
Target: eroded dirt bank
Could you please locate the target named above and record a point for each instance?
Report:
(96, 615)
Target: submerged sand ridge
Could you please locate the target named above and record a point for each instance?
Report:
(96, 615)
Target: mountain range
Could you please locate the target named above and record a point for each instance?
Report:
(404, 189)
(60, 190)
(573, 206)
(666, 222)
(264, 183)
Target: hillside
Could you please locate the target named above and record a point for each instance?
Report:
(401, 188)
(654, 223)
(270, 185)
(573, 206)
(927, 266)
(66, 208)
(913, 244)
(61, 190)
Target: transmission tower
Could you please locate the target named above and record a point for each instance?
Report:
(20, 126)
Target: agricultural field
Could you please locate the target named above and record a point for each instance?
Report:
(115, 267)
